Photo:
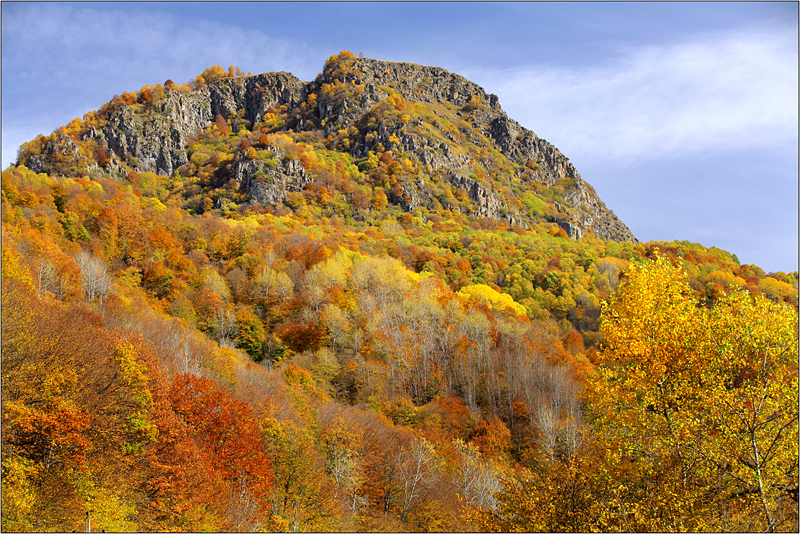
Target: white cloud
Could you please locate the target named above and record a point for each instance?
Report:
(61, 61)
(720, 92)
(691, 140)
(120, 41)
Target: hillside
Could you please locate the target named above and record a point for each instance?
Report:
(461, 152)
(371, 302)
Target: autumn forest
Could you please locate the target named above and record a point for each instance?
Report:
(366, 304)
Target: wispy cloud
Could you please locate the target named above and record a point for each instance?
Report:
(122, 41)
(718, 92)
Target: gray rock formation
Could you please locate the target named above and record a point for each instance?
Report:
(58, 147)
(419, 83)
(573, 230)
(156, 142)
(486, 202)
(266, 183)
(155, 138)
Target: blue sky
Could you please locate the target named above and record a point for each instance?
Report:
(682, 115)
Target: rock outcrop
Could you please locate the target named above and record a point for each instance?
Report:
(487, 203)
(458, 113)
(156, 141)
(268, 182)
(417, 83)
(57, 147)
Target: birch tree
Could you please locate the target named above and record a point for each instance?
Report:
(418, 466)
(95, 280)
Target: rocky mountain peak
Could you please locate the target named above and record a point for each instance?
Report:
(449, 129)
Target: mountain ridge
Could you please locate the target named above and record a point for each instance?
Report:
(457, 128)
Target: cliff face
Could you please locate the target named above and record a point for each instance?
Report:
(455, 127)
(583, 209)
(158, 140)
(268, 182)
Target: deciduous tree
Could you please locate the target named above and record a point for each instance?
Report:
(704, 401)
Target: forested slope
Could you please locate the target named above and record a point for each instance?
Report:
(370, 302)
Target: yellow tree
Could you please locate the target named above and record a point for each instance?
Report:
(553, 497)
(751, 408)
(299, 497)
(696, 408)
